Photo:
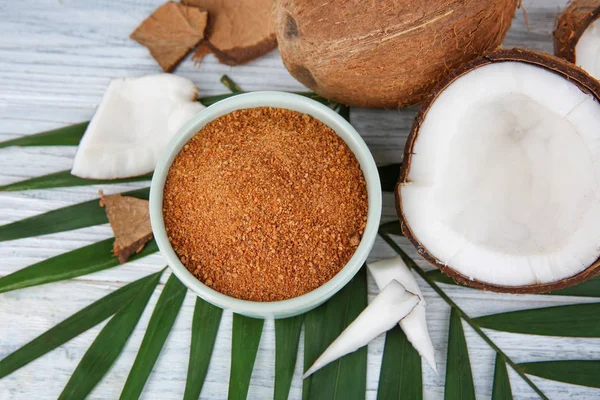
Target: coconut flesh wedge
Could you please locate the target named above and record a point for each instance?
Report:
(391, 305)
(577, 35)
(501, 182)
(414, 324)
(588, 50)
(133, 125)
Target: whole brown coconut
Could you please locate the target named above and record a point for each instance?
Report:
(550, 63)
(385, 54)
(571, 24)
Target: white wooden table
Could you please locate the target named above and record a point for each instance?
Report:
(56, 58)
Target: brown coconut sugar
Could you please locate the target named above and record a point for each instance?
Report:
(265, 204)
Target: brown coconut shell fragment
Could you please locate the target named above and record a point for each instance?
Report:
(238, 31)
(171, 32)
(553, 64)
(571, 24)
(130, 221)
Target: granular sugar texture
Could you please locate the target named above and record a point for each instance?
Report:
(265, 204)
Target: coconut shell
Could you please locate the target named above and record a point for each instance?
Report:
(556, 65)
(130, 221)
(385, 54)
(571, 24)
(171, 32)
(238, 31)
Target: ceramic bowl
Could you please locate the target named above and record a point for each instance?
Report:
(308, 301)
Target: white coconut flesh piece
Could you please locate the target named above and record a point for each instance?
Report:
(587, 50)
(392, 304)
(503, 181)
(133, 125)
(414, 325)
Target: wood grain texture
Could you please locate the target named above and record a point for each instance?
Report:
(56, 58)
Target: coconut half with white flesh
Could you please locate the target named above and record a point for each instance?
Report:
(577, 35)
(500, 186)
(134, 123)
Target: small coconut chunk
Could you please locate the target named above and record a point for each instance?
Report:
(503, 181)
(238, 31)
(414, 324)
(587, 50)
(171, 32)
(391, 305)
(129, 219)
(133, 125)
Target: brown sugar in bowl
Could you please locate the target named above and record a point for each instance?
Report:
(265, 204)
(262, 262)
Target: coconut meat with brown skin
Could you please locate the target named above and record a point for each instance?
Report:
(503, 183)
(587, 50)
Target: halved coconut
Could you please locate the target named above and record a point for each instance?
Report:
(577, 35)
(500, 186)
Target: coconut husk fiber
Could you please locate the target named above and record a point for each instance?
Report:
(385, 54)
(238, 31)
(129, 219)
(571, 24)
(171, 32)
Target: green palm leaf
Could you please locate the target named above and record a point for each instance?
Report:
(389, 174)
(65, 179)
(343, 110)
(82, 215)
(401, 376)
(230, 84)
(76, 324)
(345, 378)
(204, 333)
(210, 100)
(577, 372)
(158, 329)
(459, 379)
(579, 320)
(66, 136)
(391, 228)
(501, 389)
(589, 288)
(109, 343)
(438, 276)
(287, 338)
(86, 260)
(245, 338)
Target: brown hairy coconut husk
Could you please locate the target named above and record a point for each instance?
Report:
(568, 71)
(385, 54)
(571, 24)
